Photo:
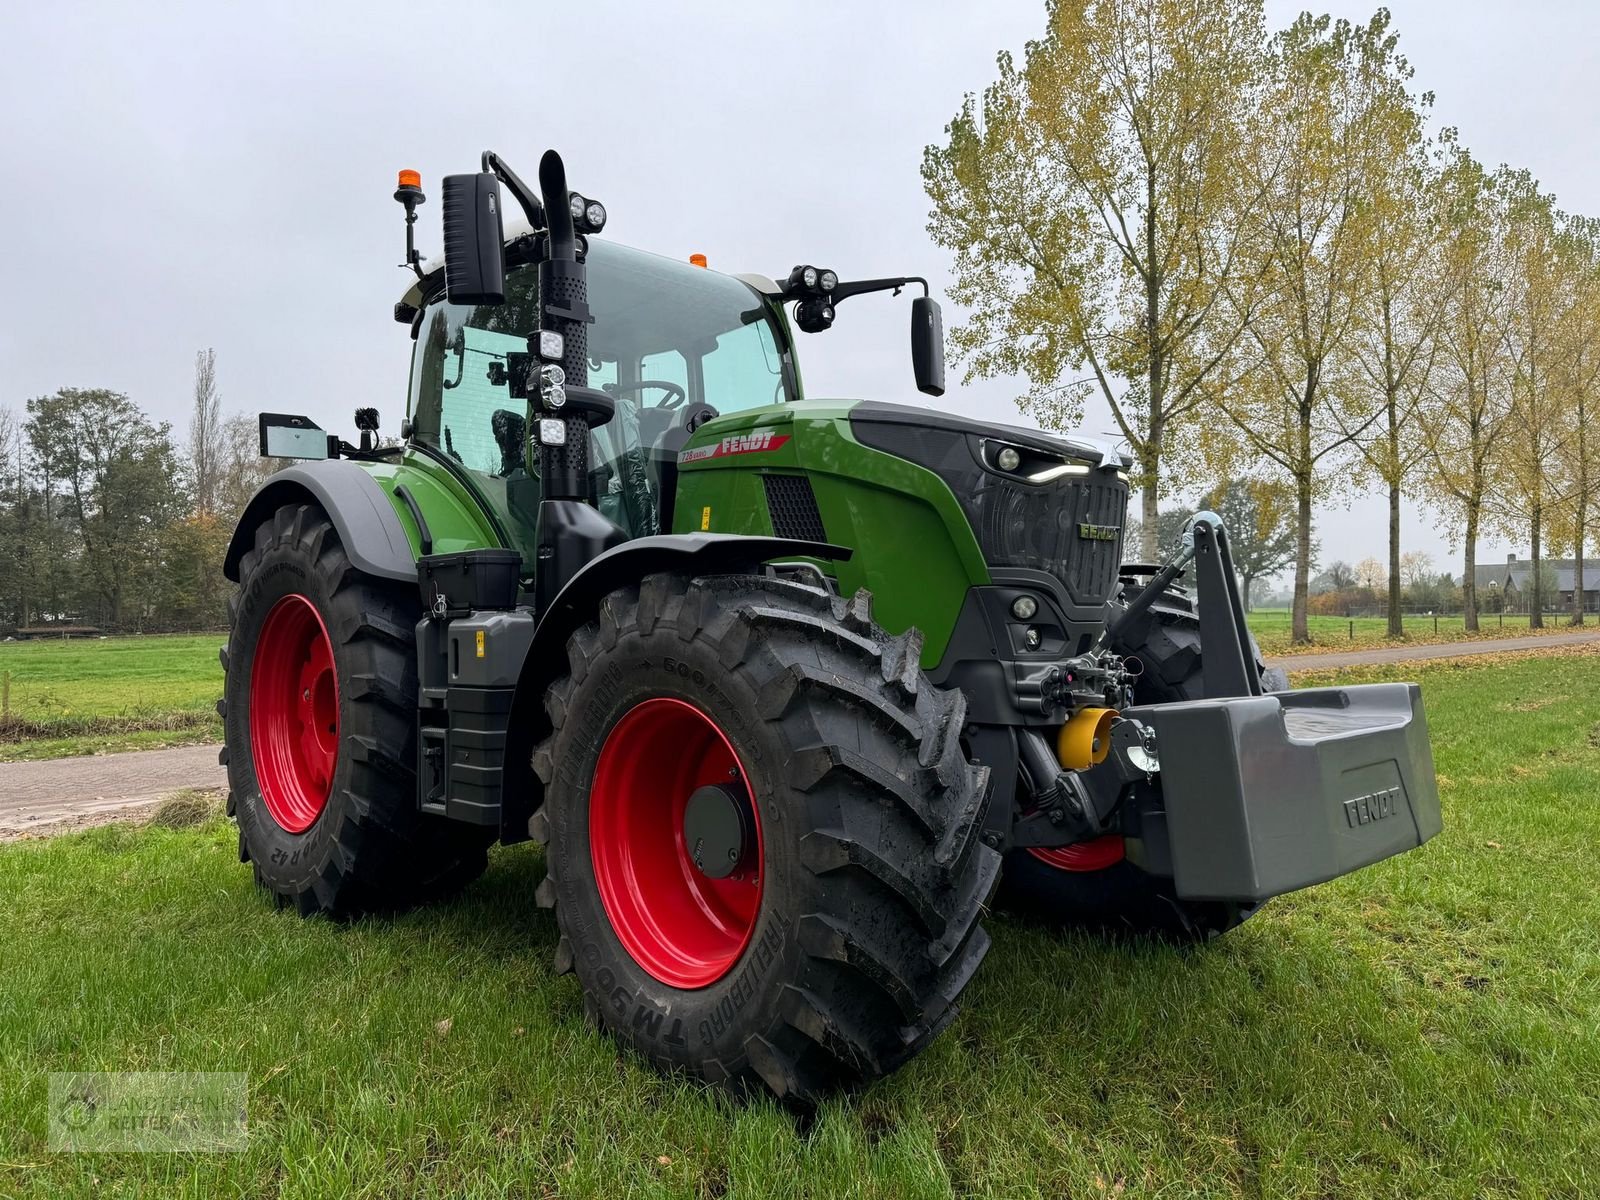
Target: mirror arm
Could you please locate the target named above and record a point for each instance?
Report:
(845, 290)
(532, 207)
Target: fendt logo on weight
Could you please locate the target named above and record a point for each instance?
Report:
(1378, 806)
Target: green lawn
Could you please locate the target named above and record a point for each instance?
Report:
(1272, 628)
(1428, 1027)
(88, 695)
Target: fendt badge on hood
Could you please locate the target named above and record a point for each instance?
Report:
(744, 443)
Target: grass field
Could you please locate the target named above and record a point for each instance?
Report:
(1428, 1027)
(88, 696)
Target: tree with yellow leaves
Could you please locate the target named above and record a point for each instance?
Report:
(1397, 315)
(1337, 105)
(1529, 489)
(1469, 404)
(1095, 200)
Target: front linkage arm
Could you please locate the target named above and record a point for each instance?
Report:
(1227, 662)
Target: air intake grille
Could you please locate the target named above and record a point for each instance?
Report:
(1071, 528)
(793, 508)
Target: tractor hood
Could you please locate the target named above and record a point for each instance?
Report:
(1095, 451)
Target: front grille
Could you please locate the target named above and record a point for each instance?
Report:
(793, 507)
(1051, 528)
(1036, 526)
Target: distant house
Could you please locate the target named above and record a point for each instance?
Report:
(1513, 580)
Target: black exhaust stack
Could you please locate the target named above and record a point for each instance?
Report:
(571, 531)
(564, 309)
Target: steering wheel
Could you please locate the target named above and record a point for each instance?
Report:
(674, 397)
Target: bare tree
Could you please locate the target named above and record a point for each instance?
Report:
(205, 434)
(1398, 315)
(241, 469)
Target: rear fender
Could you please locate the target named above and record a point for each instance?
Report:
(546, 661)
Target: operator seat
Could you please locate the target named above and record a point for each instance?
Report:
(510, 432)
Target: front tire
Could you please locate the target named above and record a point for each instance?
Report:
(835, 943)
(319, 714)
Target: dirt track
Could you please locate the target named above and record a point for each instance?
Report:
(74, 791)
(1394, 654)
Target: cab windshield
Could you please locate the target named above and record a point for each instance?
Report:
(666, 337)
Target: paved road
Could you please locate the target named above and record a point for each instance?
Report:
(1393, 654)
(35, 794)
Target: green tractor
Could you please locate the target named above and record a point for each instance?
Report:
(782, 686)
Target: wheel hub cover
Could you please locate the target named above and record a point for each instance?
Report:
(716, 829)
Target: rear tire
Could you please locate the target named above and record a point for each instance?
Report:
(1080, 889)
(872, 878)
(340, 834)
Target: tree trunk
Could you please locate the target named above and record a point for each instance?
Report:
(1536, 591)
(1150, 452)
(1469, 573)
(1580, 535)
(1246, 581)
(1300, 628)
(1149, 455)
(1150, 515)
(1396, 623)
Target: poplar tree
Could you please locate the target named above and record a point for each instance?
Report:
(1338, 93)
(1094, 200)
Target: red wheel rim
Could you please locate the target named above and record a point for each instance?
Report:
(294, 713)
(1094, 855)
(685, 929)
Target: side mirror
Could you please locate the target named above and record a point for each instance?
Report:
(474, 241)
(927, 345)
(284, 435)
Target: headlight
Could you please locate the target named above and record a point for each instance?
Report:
(576, 205)
(552, 385)
(552, 432)
(1023, 608)
(829, 281)
(1007, 459)
(596, 214)
(809, 277)
(1057, 471)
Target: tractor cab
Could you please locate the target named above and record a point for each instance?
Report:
(672, 344)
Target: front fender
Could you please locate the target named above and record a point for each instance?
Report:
(368, 526)
(546, 661)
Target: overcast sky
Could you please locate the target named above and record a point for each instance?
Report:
(183, 177)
